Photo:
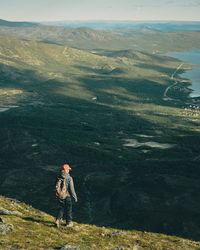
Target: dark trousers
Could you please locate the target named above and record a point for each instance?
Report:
(65, 210)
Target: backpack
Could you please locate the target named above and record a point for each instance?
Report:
(61, 189)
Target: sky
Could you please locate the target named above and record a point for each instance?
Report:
(54, 10)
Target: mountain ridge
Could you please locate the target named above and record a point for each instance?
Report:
(17, 23)
(89, 38)
(162, 26)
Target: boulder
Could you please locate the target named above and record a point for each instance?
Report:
(4, 211)
(5, 228)
(69, 247)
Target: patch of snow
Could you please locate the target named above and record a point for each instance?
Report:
(120, 156)
(151, 144)
(145, 136)
(3, 109)
(145, 151)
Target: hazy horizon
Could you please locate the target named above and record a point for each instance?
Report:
(104, 10)
(97, 20)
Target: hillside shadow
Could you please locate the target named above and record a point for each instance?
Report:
(142, 188)
(42, 221)
(129, 91)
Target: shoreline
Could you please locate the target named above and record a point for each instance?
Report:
(182, 86)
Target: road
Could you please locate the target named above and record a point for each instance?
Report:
(165, 97)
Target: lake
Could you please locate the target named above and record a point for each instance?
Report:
(192, 57)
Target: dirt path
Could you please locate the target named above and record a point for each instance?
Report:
(64, 52)
(165, 96)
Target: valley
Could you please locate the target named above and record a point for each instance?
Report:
(107, 106)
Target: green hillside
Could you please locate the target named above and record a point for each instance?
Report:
(31, 229)
(134, 154)
(86, 38)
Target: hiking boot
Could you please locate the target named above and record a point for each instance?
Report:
(69, 224)
(57, 223)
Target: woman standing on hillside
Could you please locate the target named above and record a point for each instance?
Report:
(64, 190)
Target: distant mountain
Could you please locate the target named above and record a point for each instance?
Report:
(80, 37)
(17, 24)
(94, 39)
(138, 25)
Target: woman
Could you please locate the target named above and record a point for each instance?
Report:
(64, 190)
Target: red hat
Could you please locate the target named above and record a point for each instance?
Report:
(65, 167)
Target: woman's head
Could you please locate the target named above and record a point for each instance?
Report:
(66, 168)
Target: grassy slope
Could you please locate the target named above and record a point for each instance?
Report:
(36, 230)
(86, 38)
(54, 88)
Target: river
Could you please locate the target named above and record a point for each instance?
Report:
(192, 57)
